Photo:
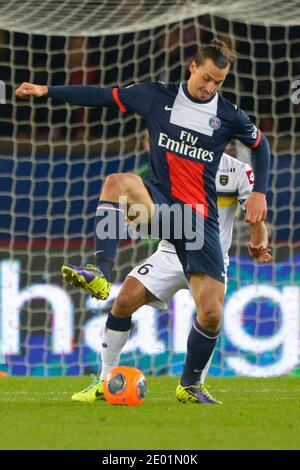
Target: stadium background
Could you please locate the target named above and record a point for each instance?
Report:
(54, 159)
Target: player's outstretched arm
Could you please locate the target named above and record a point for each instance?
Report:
(258, 245)
(137, 98)
(26, 90)
(81, 95)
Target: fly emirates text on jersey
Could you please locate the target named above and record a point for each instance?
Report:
(185, 146)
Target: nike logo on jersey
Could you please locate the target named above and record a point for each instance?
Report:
(167, 108)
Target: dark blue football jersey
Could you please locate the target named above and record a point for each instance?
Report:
(187, 138)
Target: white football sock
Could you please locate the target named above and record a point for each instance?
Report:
(111, 348)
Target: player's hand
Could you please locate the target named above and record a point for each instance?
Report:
(260, 253)
(26, 90)
(256, 208)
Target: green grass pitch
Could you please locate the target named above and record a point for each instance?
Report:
(37, 413)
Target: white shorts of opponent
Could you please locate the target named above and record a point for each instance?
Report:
(163, 276)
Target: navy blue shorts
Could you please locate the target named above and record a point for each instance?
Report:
(206, 259)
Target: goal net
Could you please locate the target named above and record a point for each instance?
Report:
(54, 158)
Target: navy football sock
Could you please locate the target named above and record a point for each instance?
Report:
(118, 323)
(109, 230)
(200, 347)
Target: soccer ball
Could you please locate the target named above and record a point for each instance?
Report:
(125, 386)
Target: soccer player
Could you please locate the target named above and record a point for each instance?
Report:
(158, 278)
(189, 126)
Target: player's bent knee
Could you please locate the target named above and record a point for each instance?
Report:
(120, 184)
(112, 186)
(130, 183)
(210, 322)
(210, 316)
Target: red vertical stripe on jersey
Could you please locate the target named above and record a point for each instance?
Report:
(187, 182)
(115, 93)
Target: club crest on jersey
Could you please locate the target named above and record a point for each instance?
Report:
(224, 180)
(215, 122)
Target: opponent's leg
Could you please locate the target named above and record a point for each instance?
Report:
(96, 279)
(208, 294)
(132, 296)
